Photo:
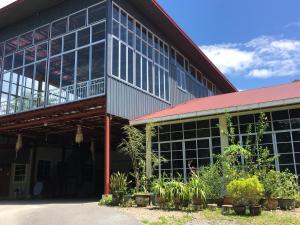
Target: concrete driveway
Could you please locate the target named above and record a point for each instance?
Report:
(60, 213)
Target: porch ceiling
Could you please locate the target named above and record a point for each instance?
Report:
(61, 118)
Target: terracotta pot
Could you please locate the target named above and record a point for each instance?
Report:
(271, 203)
(227, 200)
(198, 201)
(286, 204)
(239, 209)
(160, 201)
(255, 210)
(142, 200)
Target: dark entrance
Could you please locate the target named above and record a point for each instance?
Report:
(4, 179)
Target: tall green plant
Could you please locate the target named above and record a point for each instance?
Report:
(118, 182)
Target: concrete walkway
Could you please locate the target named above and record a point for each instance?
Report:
(60, 213)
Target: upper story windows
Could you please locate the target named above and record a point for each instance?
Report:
(139, 57)
(56, 28)
(184, 68)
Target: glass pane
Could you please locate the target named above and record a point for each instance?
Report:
(123, 18)
(176, 127)
(156, 80)
(280, 115)
(77, 20)
(286, 158)
(69, 42)
(144, 74)
(296, 136)
(41, 34)
(150, 77)
(8, 63)
(1, 49)
(123, 62)
(83, 37)
(18, 60)
(98, 60)
(295, 113)
(56, 46)
(54, 80)
(116, 12)
(98, 32)
(97, 13)
(59, 27)
(116, 28)
(29, 55)
(11, 46)
(138, 70)
(68, 69)
(283, 137)
(42, 51)
(162, 83)
(281, 125)
(190, 145)
(130, 24)
(83, 65)
(26, 40)
(297, 147)
(130, 65)
(295, 123)
(28, 84)
(115, 63)
(284, 148)
(123, 34)
(39, 84)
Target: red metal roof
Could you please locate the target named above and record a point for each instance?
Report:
(225, 101)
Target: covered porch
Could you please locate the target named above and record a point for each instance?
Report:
(50, 157)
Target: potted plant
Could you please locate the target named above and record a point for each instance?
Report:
(254, 191)
(177, 192)
(237, 190)
(160, 189)
(213, 184)
(287, 190)
(118, 187)
(196, 188)
(272, 184)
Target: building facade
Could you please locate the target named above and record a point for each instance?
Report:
(190, 135)
(94, 64)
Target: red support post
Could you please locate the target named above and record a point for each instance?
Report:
(107, 155)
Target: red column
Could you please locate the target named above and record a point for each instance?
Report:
(107, 155)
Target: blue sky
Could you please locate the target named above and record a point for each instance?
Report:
(255, 43)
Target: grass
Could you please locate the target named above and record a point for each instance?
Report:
(169, 220)
(266, 218)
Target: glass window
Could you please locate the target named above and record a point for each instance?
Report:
(284, 148)
(54, 78)
(115, 63)
(39, 84)
(77, 20)
(144, 74)
(83, 37)
(138, 70)
(280, 115)
(56, 46)
(283, 137)
(41, 51)
(59, 27)
(18, 60)
(8, 63)
(116, 12)
(68, 69)
(29, 55)
(41, 34)
(98, 60)
(295, 113)
(97, 13)
(11, 46)
(162, 83)
(26, 40)
(130, 38)
(123, 62)
(1, 49)
(123, 34)
(83, 57)
(167, 86)
(123, 18)
(116, 28)
(130, 24)
(150, 76)
(69, 42)
(156, 80)
(28, 84)
(20, 172)
(98, 32)
(130, 65)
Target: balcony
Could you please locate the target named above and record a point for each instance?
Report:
(55, 96)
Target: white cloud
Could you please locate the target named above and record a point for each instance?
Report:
(262, 57)
(293, 24)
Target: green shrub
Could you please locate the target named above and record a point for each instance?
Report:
(118, 182)
(196, 187)
(106, 201)
(245, 191)
(288, 188)
(272, 184)
(213, 181)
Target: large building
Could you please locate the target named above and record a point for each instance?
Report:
(71, 65)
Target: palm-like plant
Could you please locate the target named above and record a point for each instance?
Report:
(196, 188)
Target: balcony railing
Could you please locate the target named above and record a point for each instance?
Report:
(55, 96)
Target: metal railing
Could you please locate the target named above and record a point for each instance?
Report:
(55, 96)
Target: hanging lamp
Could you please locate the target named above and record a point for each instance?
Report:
(79, 135)
(19, 144)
